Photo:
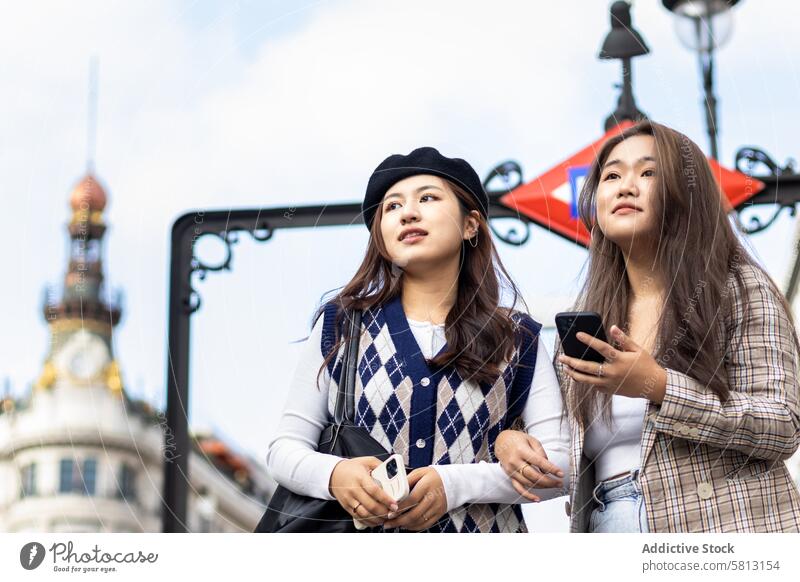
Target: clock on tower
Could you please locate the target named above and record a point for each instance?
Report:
(83, 356)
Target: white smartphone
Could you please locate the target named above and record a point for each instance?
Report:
(391, 476)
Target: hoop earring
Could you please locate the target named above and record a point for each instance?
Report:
(475, 238)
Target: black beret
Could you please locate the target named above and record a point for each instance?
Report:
(425, 160)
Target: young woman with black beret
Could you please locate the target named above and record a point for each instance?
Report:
(443, 366)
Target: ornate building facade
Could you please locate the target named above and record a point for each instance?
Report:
(77, 454)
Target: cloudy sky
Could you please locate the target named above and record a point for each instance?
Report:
(248, 104)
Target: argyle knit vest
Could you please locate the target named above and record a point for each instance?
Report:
(431, 415)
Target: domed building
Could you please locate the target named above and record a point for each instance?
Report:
(77, 454)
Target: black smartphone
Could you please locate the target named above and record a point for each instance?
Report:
(570, 323)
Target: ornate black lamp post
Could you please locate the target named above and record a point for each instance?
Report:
(624, 43)
(704, 26)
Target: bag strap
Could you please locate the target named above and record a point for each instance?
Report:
(344, 409)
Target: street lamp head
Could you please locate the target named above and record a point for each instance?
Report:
(623, 42)
(702, 25)
(698, 8)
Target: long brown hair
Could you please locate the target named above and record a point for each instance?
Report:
(697, 252)
(479, 332)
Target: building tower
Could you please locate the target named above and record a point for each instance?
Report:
(77, 454)
(82, 319)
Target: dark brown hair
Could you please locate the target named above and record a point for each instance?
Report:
(696, 253)
(479, 332)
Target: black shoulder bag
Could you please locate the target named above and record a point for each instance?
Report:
(289, 512)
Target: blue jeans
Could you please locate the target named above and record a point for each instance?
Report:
(621, 506)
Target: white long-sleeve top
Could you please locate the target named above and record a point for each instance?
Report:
(616, 449)
(293, 461)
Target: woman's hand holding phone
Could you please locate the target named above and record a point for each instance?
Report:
(425, 504)
(628, 371)
(354, 488)
(523, 459)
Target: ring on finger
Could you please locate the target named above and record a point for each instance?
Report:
(600, 371)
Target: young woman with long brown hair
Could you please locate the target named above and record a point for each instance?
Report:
(443, 366)
(686, 424)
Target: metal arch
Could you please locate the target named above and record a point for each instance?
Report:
(185, 300)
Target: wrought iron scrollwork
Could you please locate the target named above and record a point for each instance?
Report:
(756, 225)
(262, 234)
(505, 171)
(229, 237)
(511, 236)
(747, 160)
(509, 174)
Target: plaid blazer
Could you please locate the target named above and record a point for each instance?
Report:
(712, 467)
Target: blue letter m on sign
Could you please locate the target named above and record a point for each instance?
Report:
(577, 176)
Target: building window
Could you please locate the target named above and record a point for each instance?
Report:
(75, 480)
(127, 483)
(28, 480)
(66, 473)
(90, 475)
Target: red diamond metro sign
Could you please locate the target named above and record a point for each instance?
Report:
(551, 199)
